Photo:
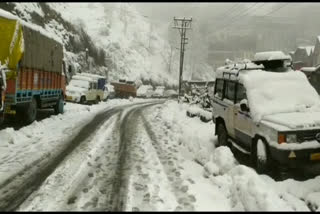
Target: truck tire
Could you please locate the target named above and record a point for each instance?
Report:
(59, 107)
(83, 100)
(1, 118)
(222, 135)
(31, 111)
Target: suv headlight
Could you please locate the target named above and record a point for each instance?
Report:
(291, 138)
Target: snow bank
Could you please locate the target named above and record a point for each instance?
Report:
(271, 93)
(232, 187)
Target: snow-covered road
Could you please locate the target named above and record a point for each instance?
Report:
(135, 155)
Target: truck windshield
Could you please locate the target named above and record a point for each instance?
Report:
(80, 83)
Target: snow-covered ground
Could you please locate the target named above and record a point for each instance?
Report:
(216, 179)
(142, 159)
(19, 149)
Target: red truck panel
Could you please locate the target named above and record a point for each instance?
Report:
(30, 79)
(124, 89)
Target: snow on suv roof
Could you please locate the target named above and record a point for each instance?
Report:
(273, 93)
(270, 55)
(237, 69)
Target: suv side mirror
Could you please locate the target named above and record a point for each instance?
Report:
(244, 105)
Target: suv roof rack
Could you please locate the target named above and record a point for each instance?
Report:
(237, 70)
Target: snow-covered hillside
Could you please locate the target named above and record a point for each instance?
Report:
(132, 46)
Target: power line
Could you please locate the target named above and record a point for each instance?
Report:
(261, 16)
(235, 13)
(235, 19)
(281, 6)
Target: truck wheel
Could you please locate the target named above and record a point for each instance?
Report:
(59, 107)
(31, 111)
(222, 135)
(1, 118)
(82, 100)
(261, 156)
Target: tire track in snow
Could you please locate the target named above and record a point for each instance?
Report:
(184, 199)
(128, 128)
(20, 185)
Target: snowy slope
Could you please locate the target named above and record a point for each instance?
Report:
(134, 49)
(125, 35)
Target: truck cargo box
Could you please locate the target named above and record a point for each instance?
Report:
(41, 52)
(20, 42)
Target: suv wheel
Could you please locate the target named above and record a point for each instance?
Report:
(97, 100)
(261, 156)
(222, 135)
(82, 100)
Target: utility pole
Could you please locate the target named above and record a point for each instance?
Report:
(170, 59)
(182, 24)
(87, 58)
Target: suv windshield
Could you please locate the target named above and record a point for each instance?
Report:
(80, 83)
(271, 93)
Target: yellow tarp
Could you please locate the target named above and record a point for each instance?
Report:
(11, 42)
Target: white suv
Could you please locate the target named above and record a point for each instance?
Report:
(83, 89)
(274, 117)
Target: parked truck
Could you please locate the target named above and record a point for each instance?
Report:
(32, 70)
(124, 89)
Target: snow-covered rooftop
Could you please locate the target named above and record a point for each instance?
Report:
(308, 69)
(308, 49)
(270, 55)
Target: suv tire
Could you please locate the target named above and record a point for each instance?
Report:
(222, 135)
(83, 100)
(261, 156)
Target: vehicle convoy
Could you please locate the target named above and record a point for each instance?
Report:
(124, 89)
(159, 92)
(86, 88)
(32, 71)
(109, 92)
(145, 91)
(272, 116)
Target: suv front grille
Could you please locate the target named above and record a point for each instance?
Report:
(307, 135)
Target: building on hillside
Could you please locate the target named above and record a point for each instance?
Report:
(303, 57)
(316, 52)
(253, 34)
